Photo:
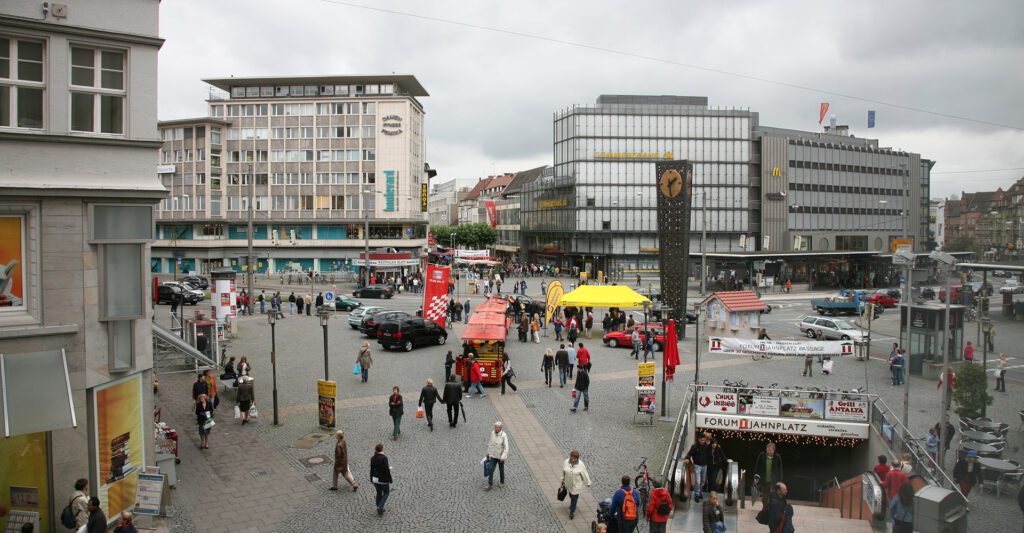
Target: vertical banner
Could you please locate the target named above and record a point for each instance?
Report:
(435, 294)
(555, 293)
(423, 197)
(871, 119)
(390, 184)
(492, 213)
(822, 111)
(327, 395)
(119, 442)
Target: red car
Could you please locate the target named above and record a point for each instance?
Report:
(625, 338)
(883, 298)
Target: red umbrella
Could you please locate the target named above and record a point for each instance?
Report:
(671, 355)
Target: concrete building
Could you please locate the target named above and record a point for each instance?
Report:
(937, 224)
(325, 154)
(443, 204)
(508, 213)
(757, 190)
(989, 222)
(78, 86)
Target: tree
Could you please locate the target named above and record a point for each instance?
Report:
(971, 390)
(466, 235)
(443, 234)
(963, 244)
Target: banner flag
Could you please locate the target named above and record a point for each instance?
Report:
(871, 119)
(435, 294)
(555, 292)
(733, 346)
(822, 112)
(492, 213)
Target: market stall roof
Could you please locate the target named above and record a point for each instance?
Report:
(603, 296)
(484, 332)
(488, 319)
(493, 305)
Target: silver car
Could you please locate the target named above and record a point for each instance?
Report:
(356, 316)
(831, 328)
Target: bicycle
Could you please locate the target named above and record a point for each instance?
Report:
(642, 482)
(733, 386)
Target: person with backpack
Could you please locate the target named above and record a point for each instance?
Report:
(625, 505)
(574, 478)
(76, 513)
(659, 509)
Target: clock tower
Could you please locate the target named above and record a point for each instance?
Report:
(674, 182)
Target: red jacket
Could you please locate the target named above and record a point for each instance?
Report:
(583, 356)
(657, 497)
(881, 470)
(893, 481)
(474, 373)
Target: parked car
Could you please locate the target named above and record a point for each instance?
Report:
(372, 321)
(374, 291)
(831, 328)
(1011, 286)
(199, 281)
(356, 316)
(344, 303)
(408, 333)
(928, 293)
(168, 293)
(188, 288)
(883, 298)
(1000, 274)
(624, 338)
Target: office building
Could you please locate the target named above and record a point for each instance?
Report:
(443, 203)
(78, 132)
(325, 155)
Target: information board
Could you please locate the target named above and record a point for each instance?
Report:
(149, 493)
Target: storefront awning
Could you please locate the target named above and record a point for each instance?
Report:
(35, 392)
(603, 296)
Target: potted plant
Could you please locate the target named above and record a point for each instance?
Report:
(971, 391)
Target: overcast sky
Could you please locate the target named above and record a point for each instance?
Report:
(493, 94)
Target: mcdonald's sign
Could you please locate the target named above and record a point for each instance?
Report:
(776, 172)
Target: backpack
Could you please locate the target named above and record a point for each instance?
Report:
(67, 516)
(663, 509)
(628, 506)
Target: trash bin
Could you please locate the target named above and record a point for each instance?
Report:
(166, 463)
(938, 510)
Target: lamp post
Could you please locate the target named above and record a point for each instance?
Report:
(249, 258)
(703, 242)
(272, 320)
(324, 315)
(949, 261)
(453, 267)
(366, 245)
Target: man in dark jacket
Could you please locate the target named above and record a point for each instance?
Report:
(718, 463)
(452, 398)
(319, 302)
(967, 472)
(777, 505)
(428, 397)
(768, 467)
(700, 455)
(97, 520)
(341, 463)
(562, 361)
(199, 387)
(582, 389)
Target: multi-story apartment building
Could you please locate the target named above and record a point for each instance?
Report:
(443, 203)
(317, 157)
(508, 213)
(473, 206)
(987, 221)
(78, 108)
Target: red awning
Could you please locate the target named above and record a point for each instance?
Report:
(484, 332)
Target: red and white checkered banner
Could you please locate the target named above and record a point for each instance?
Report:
(435, 294)
(734, 346)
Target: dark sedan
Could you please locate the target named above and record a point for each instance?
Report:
(374, 291)
(372, 321)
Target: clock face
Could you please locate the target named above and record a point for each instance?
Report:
(671, 183)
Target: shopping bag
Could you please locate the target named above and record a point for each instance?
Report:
(253, 412)
(357, 369)
(238, 412)
(826, 367)
(573, 394)
(208, 423)
(488, 467)
(420, 413)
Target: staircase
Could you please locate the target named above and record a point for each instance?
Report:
(806, 517)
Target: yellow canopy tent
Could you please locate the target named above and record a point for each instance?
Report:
(603, 296)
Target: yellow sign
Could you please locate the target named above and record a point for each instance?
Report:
(555, 292)
(776, 172)
(553, 203)
(649, 250)
(896, 243)
(119, 442)
(632, 155)
(423, 197)
(645, 374)
(327, 393)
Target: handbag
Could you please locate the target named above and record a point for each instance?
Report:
(562, 492)
(253, 412)
(357, 369)
(420, 413)
(208, 423)
(488, 467)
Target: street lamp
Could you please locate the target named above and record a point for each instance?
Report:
(366, 246)
(324, 315)
(950, 262)
(272, 320)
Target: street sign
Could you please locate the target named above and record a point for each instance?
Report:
(328, 297)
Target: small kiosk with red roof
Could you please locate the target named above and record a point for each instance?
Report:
(733, 314)
(486, 333)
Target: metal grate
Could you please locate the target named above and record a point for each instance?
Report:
(261, 473)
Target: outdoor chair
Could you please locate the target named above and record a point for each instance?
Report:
(1013, 481)
(964, 426)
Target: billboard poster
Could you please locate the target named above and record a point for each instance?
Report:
(327, 395)
(119, 442)
(435, 294)
(758, 405)
(803, 428)
(645, 374)
(645, 400)
(853, 410)
(12, 262)
(23, 482)
(794, 407)
(716, 402)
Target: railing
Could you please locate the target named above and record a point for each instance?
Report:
(678, 436)
(858, 498)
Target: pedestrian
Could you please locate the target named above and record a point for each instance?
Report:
(246, 398)
(558, 324)
(950, 432)
(901, 508)
(80, 502)
(583, 358)
(808, 361)
(341, 463)
(882, 468)
(713, 518)
(575, 478)
(898, 362)
(475, 378)
(635, 339)
(573, 359)
(718, 463)
(262, 299)
(319, 302)
(546, 366)
(789, 285)
(780, 512)
(582, 388)
(497, 453)
(1001, 374)
(507, 373)
(380, 476)
(395, 409)
(562, 361)
(466, 308)
(625, 505)
(931, 444)
(243, 366)
(768, 467)
(365, 360)
(894, 479)
(649, 342)
(969, 352)
(659, 509)
(990, 336)
(449, 361)
(291, 303)
(300, 303)
(762, 334)
(452, 399)
(458, 311)
(428, 397)
(97, 520)
(175, 296)
(699, 455)
(204, 417)
(126, 523)
(572, 332)
(535, 329)
(967, 472)
(200, 388)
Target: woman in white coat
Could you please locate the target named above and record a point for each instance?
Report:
(575, 478)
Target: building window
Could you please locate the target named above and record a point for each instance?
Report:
(370, 154)
(369, 108)
(100, 109)
(121, 345)
(21, 83)
(121, 231)
(214, 135)
(218, 110)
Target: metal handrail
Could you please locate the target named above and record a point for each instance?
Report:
(825, 394)
(678, 432)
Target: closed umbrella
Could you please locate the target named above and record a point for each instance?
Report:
(670, 357)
